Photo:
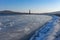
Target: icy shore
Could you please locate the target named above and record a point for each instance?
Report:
(49, 31)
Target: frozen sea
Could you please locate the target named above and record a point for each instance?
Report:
(29, 27)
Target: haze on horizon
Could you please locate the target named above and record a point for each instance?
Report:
(36, 6)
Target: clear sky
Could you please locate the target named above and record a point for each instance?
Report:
(34, 5)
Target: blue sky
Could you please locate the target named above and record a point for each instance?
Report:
(37, 6)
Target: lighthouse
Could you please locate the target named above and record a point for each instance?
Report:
(29, 12)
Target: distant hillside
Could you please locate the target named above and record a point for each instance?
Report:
(7, 12)
(56, 13)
